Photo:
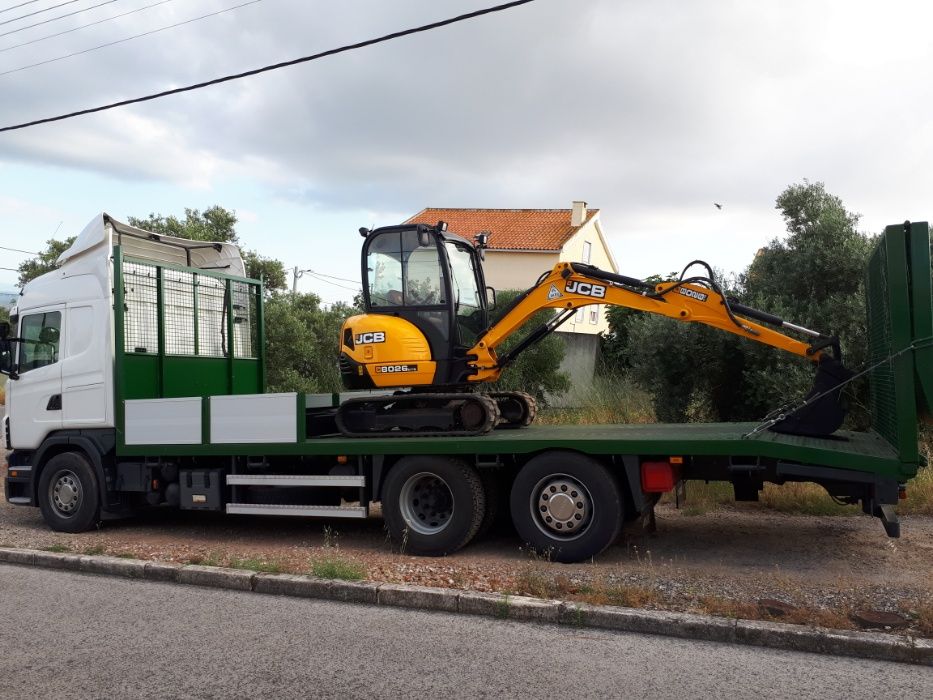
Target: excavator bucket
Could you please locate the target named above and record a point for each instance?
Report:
(820, 413)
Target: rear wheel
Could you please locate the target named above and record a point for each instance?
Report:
(566, 505)
(69, 497)
(432, 505)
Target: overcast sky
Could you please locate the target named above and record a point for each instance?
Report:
(650, 111)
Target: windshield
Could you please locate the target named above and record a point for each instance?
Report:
(466, 292)
(400, 272)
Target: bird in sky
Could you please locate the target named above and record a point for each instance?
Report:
(717, 205)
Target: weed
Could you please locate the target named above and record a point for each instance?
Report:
(404, 544)
(612, 399)
(57, 548)
(802, 499)
(96, 549)
(212, 559)
(502, 607)
(331, 538)
(126, 555)
(259, 565)
(919, 499)
(632, 596)
(338, 568)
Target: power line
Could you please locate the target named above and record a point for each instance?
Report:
(38, 12)
(55, 19)
(342, 286)
(321, 274)
(275, 66)
(9, 268)
(83, 26)
(22, 4)
(129, 38)
(17, 250)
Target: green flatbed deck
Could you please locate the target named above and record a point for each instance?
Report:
(850, 450)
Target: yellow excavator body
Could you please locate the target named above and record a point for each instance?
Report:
(386, 351)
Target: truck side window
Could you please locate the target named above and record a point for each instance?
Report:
(40, 334)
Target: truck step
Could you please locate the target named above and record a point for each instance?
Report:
(299, 511)
(294, 480)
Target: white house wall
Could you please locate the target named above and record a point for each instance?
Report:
(601, 258)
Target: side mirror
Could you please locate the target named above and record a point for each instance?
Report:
(49, 335)
(6, 358)
(490, 298)
(424, 238)
(4, 330)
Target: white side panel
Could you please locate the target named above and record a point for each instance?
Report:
(253, 418)
(163, 421)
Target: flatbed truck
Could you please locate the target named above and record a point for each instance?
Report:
(137, 379)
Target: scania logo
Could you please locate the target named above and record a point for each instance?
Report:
(693, 294)
(369, 338)
(585, 289)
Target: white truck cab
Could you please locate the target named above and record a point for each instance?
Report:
(61, 360)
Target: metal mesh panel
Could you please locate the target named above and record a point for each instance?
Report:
(243, 314)
(141, 328)
(178, 305)
(212, 319)
(881, 385)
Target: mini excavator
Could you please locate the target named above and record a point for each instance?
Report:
(425, 333)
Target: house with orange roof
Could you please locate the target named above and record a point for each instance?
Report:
(523, 243)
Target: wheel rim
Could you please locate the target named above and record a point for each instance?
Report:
(561, 507)
(426, 503)
(65, 493)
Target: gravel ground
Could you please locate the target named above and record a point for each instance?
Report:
(723, 561)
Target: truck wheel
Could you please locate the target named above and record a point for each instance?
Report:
(69, 497)
(432, 505)
(567, 506)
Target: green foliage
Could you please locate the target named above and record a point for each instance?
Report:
(537, 370)
(45, 262)
(218, 225)
(214, 224)
(302, 343)
(812, 277)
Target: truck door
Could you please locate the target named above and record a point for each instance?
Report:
(35, 399)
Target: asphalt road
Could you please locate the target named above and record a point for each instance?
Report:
(74, 635)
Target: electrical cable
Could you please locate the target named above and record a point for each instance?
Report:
(39, 12)
(17, 250)
(333, 277)
(342, 286)
(83, 26)
(272, 67)
(11, 269)
(129, 38)
(22, 4)
(55, 19)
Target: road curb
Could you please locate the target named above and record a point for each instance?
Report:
(775, 635)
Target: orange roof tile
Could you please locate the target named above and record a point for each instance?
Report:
(509, 229)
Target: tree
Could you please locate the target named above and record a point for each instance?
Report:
(218, 225)
(46, 261)
(537, 370)
(812, 277)
(303, 342)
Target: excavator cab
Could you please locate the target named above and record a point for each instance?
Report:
(425, 304)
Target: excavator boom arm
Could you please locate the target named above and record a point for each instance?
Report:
(572, 285)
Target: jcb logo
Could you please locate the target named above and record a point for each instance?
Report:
(699, 296)
(369, 338)
(586, 289)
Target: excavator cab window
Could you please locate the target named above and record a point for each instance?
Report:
(468, 304)
(404, 269)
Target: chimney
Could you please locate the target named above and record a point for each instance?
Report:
(578, 214)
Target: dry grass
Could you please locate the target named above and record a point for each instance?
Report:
(703, 497)
(919, 499)
(607, 401)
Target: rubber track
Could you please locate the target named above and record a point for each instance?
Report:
(492, 416)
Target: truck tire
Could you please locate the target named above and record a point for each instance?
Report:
(566, 505)
(432, 505)
(69, 495)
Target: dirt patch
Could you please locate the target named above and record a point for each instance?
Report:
(722, 562)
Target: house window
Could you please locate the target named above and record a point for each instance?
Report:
(579, 316)
(594, 314)
(587, 252)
